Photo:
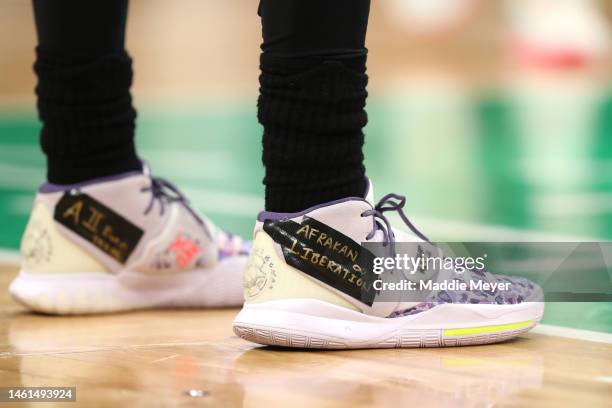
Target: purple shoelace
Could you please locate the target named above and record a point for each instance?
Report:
(162, 190)
(390, 202)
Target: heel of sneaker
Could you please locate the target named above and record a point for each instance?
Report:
(67, 294)
(267, 277)
(53, 268)
(44, 250)
(303, 323)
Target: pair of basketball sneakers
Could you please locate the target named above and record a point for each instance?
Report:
(132, 241)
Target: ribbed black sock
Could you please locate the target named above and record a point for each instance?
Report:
(86, 110)
(312, 111)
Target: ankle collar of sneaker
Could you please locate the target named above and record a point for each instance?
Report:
(271, 215)
(55, 188)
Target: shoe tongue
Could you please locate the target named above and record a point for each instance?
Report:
(369, 192)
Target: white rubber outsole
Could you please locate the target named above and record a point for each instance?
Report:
(308, 323)
(93, 293)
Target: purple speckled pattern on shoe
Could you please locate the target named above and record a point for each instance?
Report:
(519, 291)
(421, 307)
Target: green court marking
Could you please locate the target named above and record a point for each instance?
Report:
(486, 329)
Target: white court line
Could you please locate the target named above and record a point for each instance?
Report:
(90, 349)
(576, 334)
(159, 360)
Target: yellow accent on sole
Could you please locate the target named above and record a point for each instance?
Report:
(486, 329)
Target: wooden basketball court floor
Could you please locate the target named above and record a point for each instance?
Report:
(522, 154)
(192, 358)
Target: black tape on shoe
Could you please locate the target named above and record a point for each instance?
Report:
(98, 224)
(326, 255)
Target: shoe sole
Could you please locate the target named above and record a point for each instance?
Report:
(94, 293)
(313, 324)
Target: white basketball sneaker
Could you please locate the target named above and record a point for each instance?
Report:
(309, 284)
(125, 242)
